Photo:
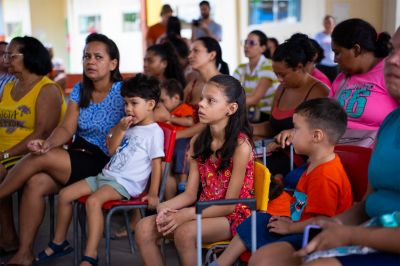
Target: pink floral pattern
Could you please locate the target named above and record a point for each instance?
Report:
(215, 185)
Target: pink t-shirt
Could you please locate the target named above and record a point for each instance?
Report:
(316, 73)
(364, 98)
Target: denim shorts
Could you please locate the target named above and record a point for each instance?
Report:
(96, 182)
(265, 237)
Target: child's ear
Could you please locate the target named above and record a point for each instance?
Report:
(232, 108)
(213, 54)
(318, 135)
(177, 98)
(151, 104)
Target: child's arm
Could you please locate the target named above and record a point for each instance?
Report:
(284, 226)
(155, 179)
(117, 133)
(185, 121)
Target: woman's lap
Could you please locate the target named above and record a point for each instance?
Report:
(380, 258)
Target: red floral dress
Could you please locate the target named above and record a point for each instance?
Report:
(215, 185)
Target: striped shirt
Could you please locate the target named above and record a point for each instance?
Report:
(249, 80)
(4, 79)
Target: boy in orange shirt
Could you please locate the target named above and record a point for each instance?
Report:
(181, 116)
(323, 190)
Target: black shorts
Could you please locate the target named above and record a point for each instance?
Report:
(86, 160)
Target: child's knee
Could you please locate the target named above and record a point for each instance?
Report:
(145, 230)
(93, 202)
(185, 234)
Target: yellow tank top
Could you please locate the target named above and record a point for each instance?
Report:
(17, 118)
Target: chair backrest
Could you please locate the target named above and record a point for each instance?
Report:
(169, 144)
(355, 160)
(262, 179)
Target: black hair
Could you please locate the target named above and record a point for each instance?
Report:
(141, 86)
(275, 42)
(319, 50)
(167, 53)
(237, 123)
(172, 87)
(326, 114)
(357, 31)
(262, 40)
(275, 189)
(212, 45)
(205, 3)
(166, 9)
(36, 57)
(87, 84)
(3, 43)
(173, 26)
(294, 51)
(180, 46)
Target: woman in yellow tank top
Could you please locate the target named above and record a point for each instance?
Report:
(30, 108)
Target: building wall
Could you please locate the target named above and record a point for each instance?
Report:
(369, 10)
(48, 22)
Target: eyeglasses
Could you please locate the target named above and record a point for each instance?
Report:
(250, 42)
(10, 56)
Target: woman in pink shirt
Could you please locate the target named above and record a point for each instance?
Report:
(360, 88)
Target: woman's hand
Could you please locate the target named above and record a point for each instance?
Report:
(333, 235)
(284, 138)
(172, 220)
(39, 146)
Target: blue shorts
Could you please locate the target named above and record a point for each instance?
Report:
(96, 182)
(380, 258)
(179, 158)
(264, 237)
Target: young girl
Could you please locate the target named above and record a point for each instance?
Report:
(161, 62)
(222, 161)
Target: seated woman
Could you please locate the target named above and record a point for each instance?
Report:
(257, 77)
(360, 88)
(95, 106)
(30, 108)
(383, 197)
(296, 86)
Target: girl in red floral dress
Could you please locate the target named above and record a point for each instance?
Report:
(222, 164)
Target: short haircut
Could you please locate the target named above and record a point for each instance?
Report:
(36, 57)
(205, 3)
(3, 43)
(172, 87)
(142, 86)
(326, 114)
(166, 9)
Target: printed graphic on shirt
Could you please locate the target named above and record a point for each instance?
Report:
(125, 152)
(11, 119)
(297, 205)
(354, 99)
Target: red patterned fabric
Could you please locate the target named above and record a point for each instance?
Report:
(215, 185)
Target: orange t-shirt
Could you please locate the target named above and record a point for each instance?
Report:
(326, 190)
(182, 110)
(280, 206)
(155, 32)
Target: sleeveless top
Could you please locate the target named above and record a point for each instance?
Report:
(283, 119)
(17, 118)
(214, 185)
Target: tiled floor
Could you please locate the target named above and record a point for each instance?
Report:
(120, 252)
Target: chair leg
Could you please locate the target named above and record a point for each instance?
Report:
(129, 232)
(51, 207)
(75, 233)
(108, 234)
(82, 221)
